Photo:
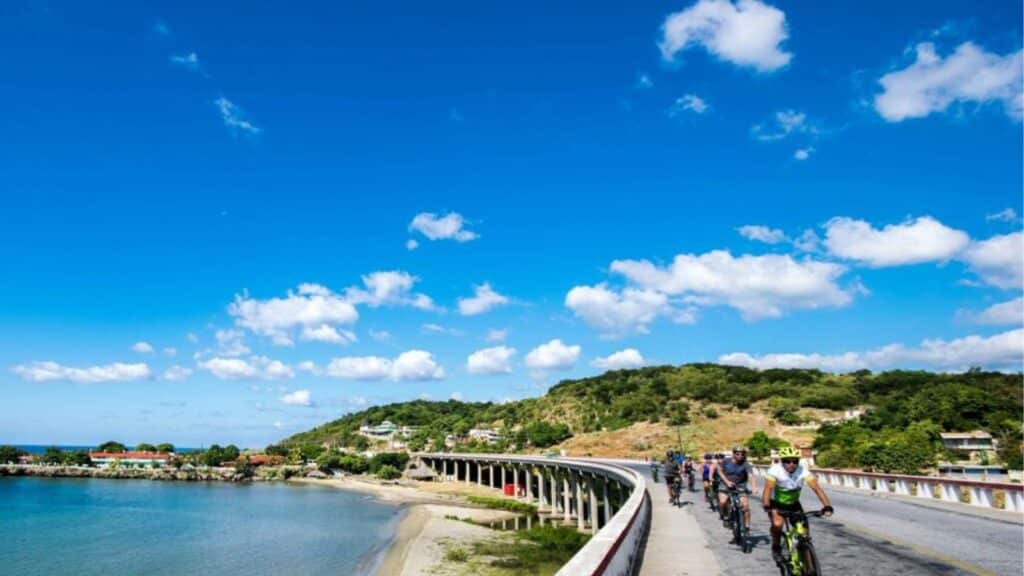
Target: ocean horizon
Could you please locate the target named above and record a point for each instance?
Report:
(94, 526)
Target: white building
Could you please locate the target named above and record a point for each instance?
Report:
(485, 434)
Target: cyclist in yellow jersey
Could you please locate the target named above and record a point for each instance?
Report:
(782, 485)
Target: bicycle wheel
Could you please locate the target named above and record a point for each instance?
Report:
(809, 559)
(737, 524)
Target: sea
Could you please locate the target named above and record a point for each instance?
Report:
(100, 527)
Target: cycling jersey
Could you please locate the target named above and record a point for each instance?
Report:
(705, 472)
(788, 486)
(735, 472)
(671, 468)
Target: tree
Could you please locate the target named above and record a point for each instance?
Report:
(165, 448)
(761, 445)
(111, 446)
(10, 454)
(388, 472)
(77, 458)
(52, 455)
(144, 447)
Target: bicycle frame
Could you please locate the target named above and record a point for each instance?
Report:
(796, 536)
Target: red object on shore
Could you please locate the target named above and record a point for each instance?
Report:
(510, 489)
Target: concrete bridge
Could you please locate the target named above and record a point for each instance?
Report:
(913, 526)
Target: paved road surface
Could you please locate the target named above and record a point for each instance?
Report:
(867, 536)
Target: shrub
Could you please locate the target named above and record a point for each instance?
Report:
(389, 472)
(710, 412)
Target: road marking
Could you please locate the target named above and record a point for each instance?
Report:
(966, 566)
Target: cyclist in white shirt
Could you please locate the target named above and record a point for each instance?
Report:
(782, 486)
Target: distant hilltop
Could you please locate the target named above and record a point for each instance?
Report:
(889, 421)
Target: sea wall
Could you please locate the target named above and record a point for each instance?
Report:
(166, 474)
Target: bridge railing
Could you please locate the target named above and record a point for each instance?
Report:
(614, 549)
(997, 495)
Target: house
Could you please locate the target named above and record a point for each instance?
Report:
(974, 446)
(129, 459)
(381, 431)
(485, 434)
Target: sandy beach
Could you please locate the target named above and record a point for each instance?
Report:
(419, 545)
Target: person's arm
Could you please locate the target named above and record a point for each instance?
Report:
(726, 481)
(769, 489)
(826, 505)
(753, 477)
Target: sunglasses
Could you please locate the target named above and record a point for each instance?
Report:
(790, 461)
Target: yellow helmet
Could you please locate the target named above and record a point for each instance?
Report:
(789, 452)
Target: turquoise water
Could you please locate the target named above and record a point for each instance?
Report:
(93, 526)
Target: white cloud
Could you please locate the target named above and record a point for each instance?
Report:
(688, 103)
(234, 118)
(1009, 312)
(256, 367)
(803, 153)
(410, 365)
(933, 83)
(998, 261)
(1008, 215)
(451, 226)
(177, 373)
(142, 348)
(553, 355)
(308, 366)
(192, 338)
(297, 398)
(438, 329)
(912, 242)
(389, 288)
(496, 360)
(231, 343)
(312, 305)
(998, 351)
(623, 359)
(758, 286)
(411, 244)
(484, 298)
(762, 234)
(329, 334)
(617, 314)
(48, 371)
(170, 352)
(783, 124)
(457, 396)
(807, 242)
(189, 61)
(380, 335)
(495, 335)
(643, 81)
(746, 33)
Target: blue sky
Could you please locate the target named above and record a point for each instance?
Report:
(229, 223)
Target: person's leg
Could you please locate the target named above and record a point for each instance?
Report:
(746, 510)
(723, 503)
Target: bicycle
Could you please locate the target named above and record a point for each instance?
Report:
(689, 481)
(654, 473)
(740, 532)
(798, 551)
(711, 496)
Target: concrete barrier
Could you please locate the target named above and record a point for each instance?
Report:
(608, 500)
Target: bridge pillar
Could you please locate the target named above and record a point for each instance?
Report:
(479, 474)
(592, 493)
(605, 502)
(528, 482)
(554, 491)
(566, 505)
(515, 480)
(580, 520)
(444, 470)
(542, 495)
(490, 474)
(502, 466)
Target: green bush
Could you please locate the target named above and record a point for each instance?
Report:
(388, 472)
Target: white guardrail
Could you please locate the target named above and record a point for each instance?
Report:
(952, 490)
(614, 550)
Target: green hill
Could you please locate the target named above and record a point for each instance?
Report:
(906, 410)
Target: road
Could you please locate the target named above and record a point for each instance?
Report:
(868, 535)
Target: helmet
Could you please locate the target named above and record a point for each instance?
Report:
(669, 453)
(707, 456)
(789, 452)
(739, 448)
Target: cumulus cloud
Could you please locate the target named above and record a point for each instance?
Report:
(620, 313)
(783, 124)
(297, 398)
(623, 359)
(688, 103)
(746, 33)
(389, 288)
(998, 351)
(757, 286)
(329, 334)
(484, 298)
(380, 335)
(807, 242)
(1008, 215)
(142, 348)
(177, 373)
(495, 335)
(411, 244)
(234, 118)
(439, 329)
(1009, 312)
(912, 242)
(496, 360)
(256, 367)
(231, 343)
(933, 83)
(451, 226)
(998, 261)
(311, 305)
(412, 365)
(48, 371)
(762, 234)
(170, 352)
(553, 355)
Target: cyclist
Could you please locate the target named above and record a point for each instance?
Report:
(705, 472)
(670, 471)
(688, 471)
(782, 486)
(655, 466)
(735, 473)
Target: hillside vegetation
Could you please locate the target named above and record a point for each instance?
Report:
(906, 412)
